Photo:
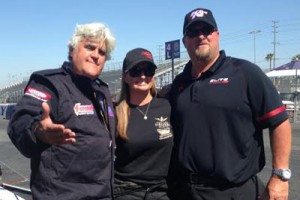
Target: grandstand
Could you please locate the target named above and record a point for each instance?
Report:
(13, 93)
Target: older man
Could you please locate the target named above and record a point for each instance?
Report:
(65, 123)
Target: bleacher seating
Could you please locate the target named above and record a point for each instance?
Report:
(112, 77)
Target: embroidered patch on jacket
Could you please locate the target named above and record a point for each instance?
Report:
(219, 81)
(38, 94)
(83, 109)
(163, 128)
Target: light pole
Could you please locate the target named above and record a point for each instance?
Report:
(295, 98)
(254, 33)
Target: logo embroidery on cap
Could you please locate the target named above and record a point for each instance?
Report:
(40, 95)
(198, 13)
(147, 54)
(219, 81)
(83, 109)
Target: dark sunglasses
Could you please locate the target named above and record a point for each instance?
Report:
(193, 32)
(138, 71)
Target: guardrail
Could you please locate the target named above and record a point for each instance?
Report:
(14, 188)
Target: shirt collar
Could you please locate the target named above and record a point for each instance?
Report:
(218, 63)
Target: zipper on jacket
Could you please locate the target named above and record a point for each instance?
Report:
(102, 104)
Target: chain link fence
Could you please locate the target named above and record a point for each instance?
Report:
(289, 88)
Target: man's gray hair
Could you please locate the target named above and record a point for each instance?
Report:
(93, 30)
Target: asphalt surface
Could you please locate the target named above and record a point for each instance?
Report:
(16, 168)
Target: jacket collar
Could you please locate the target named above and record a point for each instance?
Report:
(68, 69)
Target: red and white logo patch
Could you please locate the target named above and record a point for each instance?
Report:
(219, 81)
(83, 109)
(38, 94)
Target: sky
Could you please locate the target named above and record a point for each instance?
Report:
(34, 34)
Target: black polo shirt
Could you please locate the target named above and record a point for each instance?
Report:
(218, 118)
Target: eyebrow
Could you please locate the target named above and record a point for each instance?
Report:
(95, 45)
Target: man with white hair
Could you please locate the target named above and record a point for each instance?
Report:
(65, 122)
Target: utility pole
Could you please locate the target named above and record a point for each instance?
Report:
(274, 42)
(295, 98)
(254, 33)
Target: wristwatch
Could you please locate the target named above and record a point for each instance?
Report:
(284, 174)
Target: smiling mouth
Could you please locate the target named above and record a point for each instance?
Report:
(202, 44)
(141, 82)
(95, 63)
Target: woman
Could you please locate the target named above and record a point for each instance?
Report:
(145, 139)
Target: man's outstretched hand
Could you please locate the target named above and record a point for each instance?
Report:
(50, 133)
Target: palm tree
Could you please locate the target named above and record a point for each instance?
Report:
(297, 57)
(269, 58)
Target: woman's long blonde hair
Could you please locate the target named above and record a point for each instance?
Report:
(123, 110)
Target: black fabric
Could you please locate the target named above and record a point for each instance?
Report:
(249, 190)
(82, 170)
(136, 56)
(199, 15)
(144, 157)
(218, 119)
(126, 190)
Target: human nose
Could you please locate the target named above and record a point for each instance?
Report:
(201, 36)
(143, 74)
(95, 53)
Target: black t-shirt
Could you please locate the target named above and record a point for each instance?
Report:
(218, 118)
(144, 158)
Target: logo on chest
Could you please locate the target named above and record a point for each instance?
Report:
(163, 128)
(83, 109)
(219, 81)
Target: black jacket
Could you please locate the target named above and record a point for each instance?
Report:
(83, 170)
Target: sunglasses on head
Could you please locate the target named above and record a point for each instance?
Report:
(138, 71)
(194, 32)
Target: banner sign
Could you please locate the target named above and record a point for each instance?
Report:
(7, 110)
(172, 49)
